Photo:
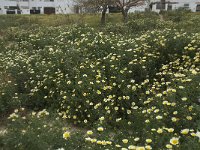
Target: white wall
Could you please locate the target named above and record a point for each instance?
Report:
(67, 6)
(180, 3)
(138, 8)
(61, 6)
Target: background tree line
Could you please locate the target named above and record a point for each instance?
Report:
(102, 6)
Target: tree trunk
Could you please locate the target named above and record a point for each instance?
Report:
(125, 14)
(103, 15)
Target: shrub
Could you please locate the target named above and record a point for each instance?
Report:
(38, 130)
(146, 79)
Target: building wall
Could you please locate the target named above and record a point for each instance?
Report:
(61, 6)
(138, 9)
(68, 6)
(179, 4)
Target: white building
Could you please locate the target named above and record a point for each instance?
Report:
(139, 8)
(69, 6)
(37, 7)
(157, 5)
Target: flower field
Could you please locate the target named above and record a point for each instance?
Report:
(133, 86)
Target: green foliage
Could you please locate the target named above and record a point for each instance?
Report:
(143, 15)
(143, 75)
(9, 95)
(38, 130)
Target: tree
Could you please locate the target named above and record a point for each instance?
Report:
(125, 6)
(96, 6)
(149, 5)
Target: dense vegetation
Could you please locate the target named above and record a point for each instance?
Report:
(68, 85)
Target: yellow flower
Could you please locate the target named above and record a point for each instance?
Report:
(160, 131)
(174, 141)
(132, 147)
(98, 92)
(66, 135)
(128, 112)
(93, 140)
(80, 82)
(88, 139)
(100, 129)
(99, 142)
(118, 145)
(148, 140)
(104, 142)
(165, 102)
(23, 132)
(169, 146)
(16, 110)
(184, 99)
(22, 109)
(185, 131)
(193, 134)
(159, 95)
(174, 90)
(140, 148)
(189, 118)
(116, 108)
(147, 121)
(170, 130)
(125, 141)
(194, 72)
(174, 119)
(101, 118)
(136, 139)
(190, 108)
(148, 147)
(89, 132)
(159, 117)
(109, 142)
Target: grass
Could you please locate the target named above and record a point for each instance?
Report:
(93, 20)
(26, 21)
